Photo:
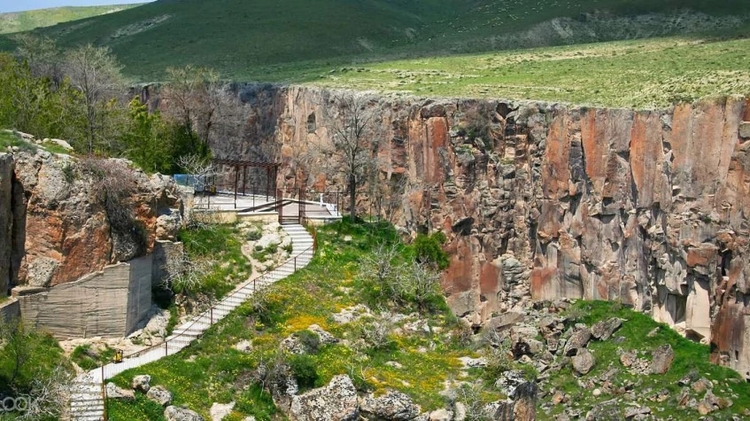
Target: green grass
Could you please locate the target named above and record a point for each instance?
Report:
(88, 360)
(234, 36)
(637, 74)
(221, 247)
(32, 19)
(8, 139)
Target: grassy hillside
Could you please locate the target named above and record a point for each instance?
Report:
(32, 19)
(632, 74)
(235, 36)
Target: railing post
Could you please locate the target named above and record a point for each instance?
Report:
(295, 263)
(104, 398)
(212, 315)
(166, 349)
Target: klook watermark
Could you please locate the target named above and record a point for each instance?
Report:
(15, 403)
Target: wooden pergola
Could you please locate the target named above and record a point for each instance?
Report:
(271, 168)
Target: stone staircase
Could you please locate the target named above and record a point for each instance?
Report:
(87, 401)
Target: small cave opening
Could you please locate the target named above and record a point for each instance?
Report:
(726, 261)
(311, 123)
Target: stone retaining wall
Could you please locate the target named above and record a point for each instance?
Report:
(108, 303)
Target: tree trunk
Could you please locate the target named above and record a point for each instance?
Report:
(352, 196)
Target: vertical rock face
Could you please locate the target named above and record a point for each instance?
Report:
(643, 207)
(71, 217)
(6, 221)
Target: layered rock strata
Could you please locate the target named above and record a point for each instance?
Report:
(546, 200)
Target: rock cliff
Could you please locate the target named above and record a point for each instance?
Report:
(62, 217)
(549, 201)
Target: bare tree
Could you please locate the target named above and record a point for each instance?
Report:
(41, 54)
(354, 144)
(94, 71)
(196, 97)
(50, 395)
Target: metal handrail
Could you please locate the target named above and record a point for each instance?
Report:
(209, 312)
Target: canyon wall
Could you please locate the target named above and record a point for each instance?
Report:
(546, 201)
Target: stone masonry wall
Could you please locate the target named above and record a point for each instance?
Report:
(549, 201)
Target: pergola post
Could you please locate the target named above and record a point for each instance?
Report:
(244, 180)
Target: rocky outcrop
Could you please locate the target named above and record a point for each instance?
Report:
(547, 200)
(80, 215)
(336, 402)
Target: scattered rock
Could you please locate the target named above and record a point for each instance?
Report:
(578, 340)
(336, 402)
(292, 345)
(662, 358)
(325, 337)
(176, 413)
(115, 392)
(351, 314)
(702, 385)
(459, 412)
(393, 405)
(597, 392)
(653, 333)
(605, 328)
(559, 397)
(219, 411)
(160, 395)
(469, 362)
(441, 415)
(394, 364)
(583, 362)
(244, 346)
(509, 381)
(141, 383)
(637, 413)
(524, 406)
(628, 358)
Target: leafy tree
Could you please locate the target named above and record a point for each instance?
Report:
(145, 139)
(94, 72)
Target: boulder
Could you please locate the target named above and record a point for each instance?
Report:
(604, 329)
(160, 395)
(115, 392)
(441, 415)
(168, 225)
(579, 339)
(662, 358)
(509, 380)
(335, 402)
(141, 383)
(524, 402)
(583, 361)
(395, 406)
(628, 358)
(176, 413)
(325, 337)
(244, 346)
(219, 411)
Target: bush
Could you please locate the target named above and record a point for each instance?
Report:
(428, 249)
(303, 368)
(310, 340)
